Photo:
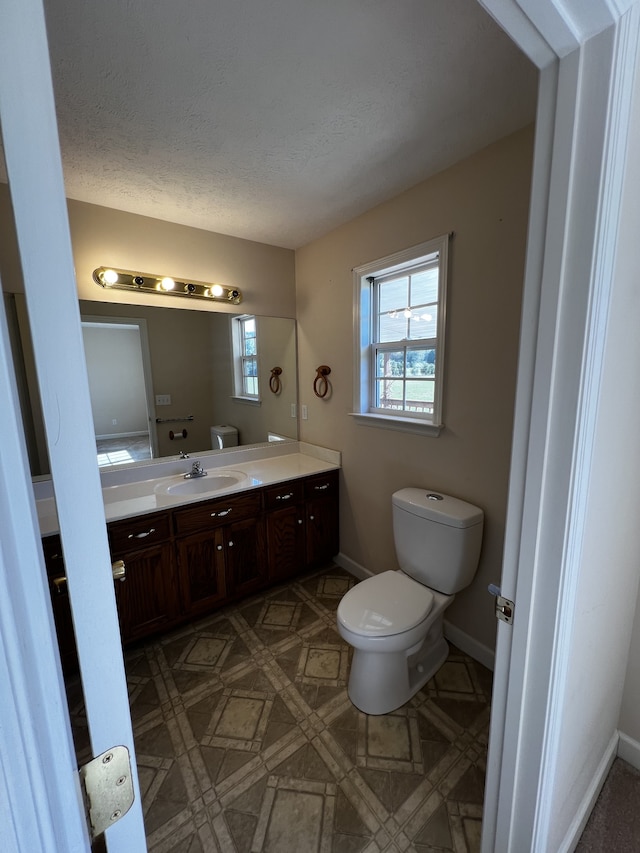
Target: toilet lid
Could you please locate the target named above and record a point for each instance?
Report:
(385, 604)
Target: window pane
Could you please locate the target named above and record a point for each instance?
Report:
(249, 326)
(251, 386)
(424, 287)
(250, 346)
(421, 362)
(419, 394)
(392, 327)
(423, 323)
(393, 294)
(389, 393)
(390, 363)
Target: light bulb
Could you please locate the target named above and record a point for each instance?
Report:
(217, 290)
(407, 313)
(167, 283)
(109, 276)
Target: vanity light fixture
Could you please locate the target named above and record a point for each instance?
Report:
(142, 282)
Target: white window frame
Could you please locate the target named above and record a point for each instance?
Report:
(240, 359)
(365, 315)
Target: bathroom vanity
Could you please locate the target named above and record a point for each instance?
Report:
(196, 555)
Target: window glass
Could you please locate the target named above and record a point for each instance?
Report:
(401, 330)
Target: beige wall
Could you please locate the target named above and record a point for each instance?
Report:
(484, 200)
(101, 236)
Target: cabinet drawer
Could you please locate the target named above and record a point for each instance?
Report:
(321, 485)
(135, 533)
(214, 513)
(275, 497)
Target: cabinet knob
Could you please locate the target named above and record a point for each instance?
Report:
(219, 547)
(311, 517)
(230, 544)
(299, 521)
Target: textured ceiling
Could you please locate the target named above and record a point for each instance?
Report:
(275, 120)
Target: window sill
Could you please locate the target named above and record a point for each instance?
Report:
(413, 425)
(248, 401)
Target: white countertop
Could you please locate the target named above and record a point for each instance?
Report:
(141, 496)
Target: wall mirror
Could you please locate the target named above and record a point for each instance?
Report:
(160, 378)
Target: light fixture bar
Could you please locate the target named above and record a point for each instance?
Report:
(114, 279)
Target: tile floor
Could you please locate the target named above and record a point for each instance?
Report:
(246, 740)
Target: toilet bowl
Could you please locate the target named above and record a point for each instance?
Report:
(395, 620)
(394, 625)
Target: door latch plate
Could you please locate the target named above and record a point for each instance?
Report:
(504, 609)
(108, 789)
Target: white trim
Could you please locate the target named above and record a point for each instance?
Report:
(32, 158)
(469, 645)
(349, 565)
(363, 309)
(592, 793)
(414, 425)
(145, 353)
(629, 750)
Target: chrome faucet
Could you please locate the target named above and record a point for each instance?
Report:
(196, 471)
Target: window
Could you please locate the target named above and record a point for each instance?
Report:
(245, 348)
(400, 320)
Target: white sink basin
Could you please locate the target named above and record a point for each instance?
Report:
(179, 487)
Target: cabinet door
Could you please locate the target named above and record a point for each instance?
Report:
(202, 571)
(148, 597)
(284, 505)
(322, 518)
(286, 542)
(245, 556)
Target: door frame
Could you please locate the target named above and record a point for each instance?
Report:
(42, 808)
(145, 365)
(587, 60)
(557, 42)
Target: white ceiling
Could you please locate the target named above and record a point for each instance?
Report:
(275, 120)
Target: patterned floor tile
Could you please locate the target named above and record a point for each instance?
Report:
(247, 742)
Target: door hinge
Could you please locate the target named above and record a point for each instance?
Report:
(107, 787)
(504, 607)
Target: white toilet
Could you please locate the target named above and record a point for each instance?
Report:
(394, 620)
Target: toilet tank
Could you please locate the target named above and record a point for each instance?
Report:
(437, 538)
(223, 435)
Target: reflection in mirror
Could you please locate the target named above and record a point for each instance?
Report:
(177, 367)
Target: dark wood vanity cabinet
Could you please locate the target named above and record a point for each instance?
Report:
(148, 596)
(186, 562)
(285, 520)
(221, 551)
(321, 521)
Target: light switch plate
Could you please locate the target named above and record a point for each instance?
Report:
(163, 399)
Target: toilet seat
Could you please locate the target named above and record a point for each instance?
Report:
(385, 604)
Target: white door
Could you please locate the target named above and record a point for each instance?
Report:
(39, 794)
(548, 747)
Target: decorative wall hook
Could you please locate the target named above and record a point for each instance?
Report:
(321, 383)
(274, 382)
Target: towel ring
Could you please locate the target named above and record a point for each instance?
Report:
(321, 383)
(274, 382)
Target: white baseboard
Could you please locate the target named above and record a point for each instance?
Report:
(591, 795)
(629, 750)
(352, 567)
(467, 644)
(470, 646)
